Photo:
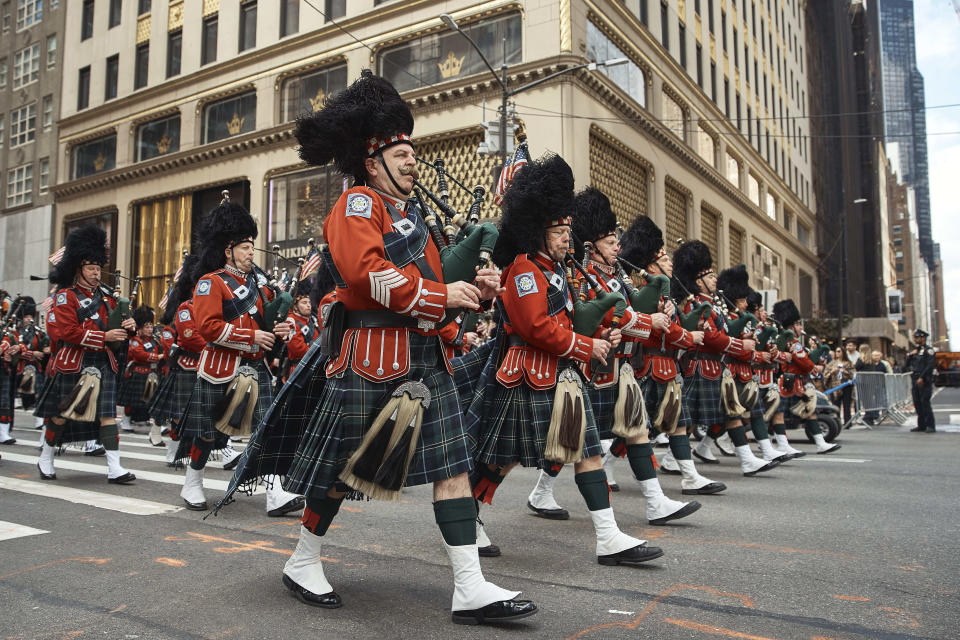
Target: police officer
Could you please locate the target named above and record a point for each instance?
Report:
(920, 363)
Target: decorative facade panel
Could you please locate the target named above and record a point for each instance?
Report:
(621, 175)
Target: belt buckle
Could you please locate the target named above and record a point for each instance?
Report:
(426, 325)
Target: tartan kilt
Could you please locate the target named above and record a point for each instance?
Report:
(60, 385)
(197, 419)
(39, 380)
(603, 402)
(468, 370)
(653, 391)
(348, 404)
(787, 402)
(701, 399)
(131, 390)
(6, 390)
(173, 395)
(757, 410)
(516, 424)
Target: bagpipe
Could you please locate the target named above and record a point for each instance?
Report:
(588, 312)
(659, 287)
(10, 332)
(744, 320)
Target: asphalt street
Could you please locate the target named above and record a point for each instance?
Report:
(862, 543)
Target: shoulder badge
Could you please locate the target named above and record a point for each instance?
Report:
(525, 283)
(203, 287)
(134, 343)
(61, 298)
(51, 317)
(359, 204)
(184, 315)
(167, 335)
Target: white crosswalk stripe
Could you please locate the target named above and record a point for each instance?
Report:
(124, 504)
(11, 530)
(126, 454)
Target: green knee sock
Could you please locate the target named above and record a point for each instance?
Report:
(759, 427)
(738, 435)
(110, 437)
(319, 513)
(680, 447)
(457, 519)
(638, 455)
(593, 487)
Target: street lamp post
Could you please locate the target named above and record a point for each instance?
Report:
(505, 92)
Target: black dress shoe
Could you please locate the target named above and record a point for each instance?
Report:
(614, 487)
(46, 476)
(917, 430)
(126, 478)
(767, 467)
(550, 514)
(502, 611)
(230, 466)
(683, 512)
(325, 600)
(489, 551)
(294, 505)
(705, 490)
(99, 451)
(833, 447)
(632, 556)
(9, 441)
(670, 472)
(196, 506)
(705, 460)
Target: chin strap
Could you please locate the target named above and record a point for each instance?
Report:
(390, 175)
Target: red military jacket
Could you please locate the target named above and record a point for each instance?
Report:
(548, 337)
(143, 355)
(354, 231)
(189, 339)
(800, 366)
(742, 365)
(76, 337)
(27, 346)
(715, 341)
(226, 341)
(634, 325)
(50, 323)
(660, 357)
(303, 334)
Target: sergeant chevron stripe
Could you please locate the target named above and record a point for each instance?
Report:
(381, 282)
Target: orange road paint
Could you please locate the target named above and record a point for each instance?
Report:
(904, 618)
(118, 609)
(717, 631)
(171, 562)
(49, 564)
(852, 598)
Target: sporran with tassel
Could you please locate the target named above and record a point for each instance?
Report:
(81, 404)
(806, 407)
(728, 393)
(568, 422)
(668, 413)
(771, 402)
(233, 413)
(150, 387)
(630, 411)
(28, 382)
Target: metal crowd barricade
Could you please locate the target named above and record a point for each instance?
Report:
(898, 395)
(881, 395)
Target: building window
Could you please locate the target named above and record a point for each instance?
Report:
(733, 170)
(674, 116)
(116, 8)
(643, 13)
(3, 130)
(248, 25)
(83, 88)
(3, 72)
(334, 9)
(289, 17)
(51, 51)
(230, 117)
(664, 26)
(111, 77)
(46, 119)
(86, 20)
(706, 146)
(447, 55)
(44, 175)
(628, 77)
(158, 138)
(5, 13)
(787, 219)
(682, 43)
(174, 40)
(95, 156)
(299, 203)
(208, 42)
(29, 12)
(771, 207)
(141, 66)
(23, 125)
(305, 94)
(26, 66)
(20, 186)
(143, 6)
(753, 189)
(700, 66)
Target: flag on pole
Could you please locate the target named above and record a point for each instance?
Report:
(514, 164)
(310, 264)
(56, 256)
(166, 296)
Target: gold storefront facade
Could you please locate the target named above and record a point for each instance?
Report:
(648, 133)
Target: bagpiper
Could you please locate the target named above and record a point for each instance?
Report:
(80, 400)
(233, 387)
(533, 409)
(380, 344)
(140, 376)
(304, 325)
(35, 352)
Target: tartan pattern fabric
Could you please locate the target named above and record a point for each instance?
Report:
(757, 410)
(346, 407)
(197, 419)
(467, 371)
(172, 396)
(701, 399)
(6, 390)
(515, 426)
(61, 384)
(787, 402)
(603, 401)
(30, 401)
(131, 390)
(652, 395)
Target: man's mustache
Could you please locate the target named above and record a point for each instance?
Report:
(409, 170)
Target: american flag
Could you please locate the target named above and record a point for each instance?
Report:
(166, 296)
(310, 264)
(56, 256)
(519, 159)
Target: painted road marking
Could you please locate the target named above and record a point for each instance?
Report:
(11, 530)
(825, 458)
(123, 504)
(126, 439)
(125, 453)
(166, 478)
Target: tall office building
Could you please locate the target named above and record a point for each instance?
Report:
(905, 117)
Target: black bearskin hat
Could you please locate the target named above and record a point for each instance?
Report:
(754, 301)
(142, 315)
(86, 245)
(786, 312)
(182, 288)
(593, 218)
(690, 260)
(354, 125)
(227, 225)
(641, 243)
(540, 196)
(25, 306)
(734, 282)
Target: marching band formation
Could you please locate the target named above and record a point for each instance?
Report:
(406, 353)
